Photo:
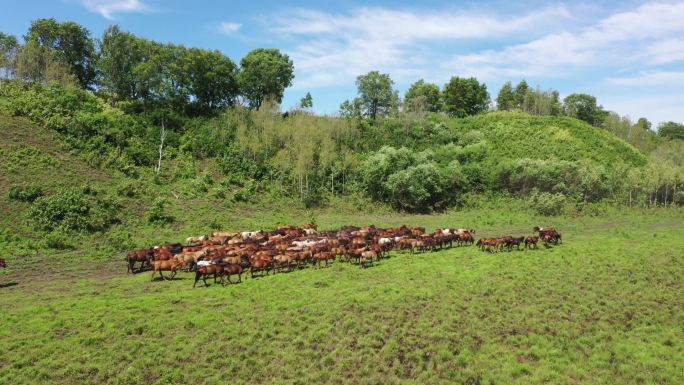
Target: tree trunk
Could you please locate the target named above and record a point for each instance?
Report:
(161, 148)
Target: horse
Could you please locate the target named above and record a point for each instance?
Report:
(205, 268)
(167, 265)
(142, 256)
(531, 241)
(3, 264)
(367, 257)
(515, 242)
(232, 269)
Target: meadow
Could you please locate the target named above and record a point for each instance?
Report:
(605, 307)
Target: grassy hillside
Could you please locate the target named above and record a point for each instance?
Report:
(518, 135)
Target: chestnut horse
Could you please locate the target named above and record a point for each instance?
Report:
(142, 256)
(171, 265)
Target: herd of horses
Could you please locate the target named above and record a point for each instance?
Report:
(225, 254)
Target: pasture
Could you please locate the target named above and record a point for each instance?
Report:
(605, 307)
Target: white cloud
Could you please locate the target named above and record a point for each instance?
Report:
(665, 79)
(229, 27)
(108, 8)
(634, 38)
(337, 48)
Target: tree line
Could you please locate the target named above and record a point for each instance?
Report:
(122, 67)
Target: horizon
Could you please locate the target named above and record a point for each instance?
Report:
(629, 55)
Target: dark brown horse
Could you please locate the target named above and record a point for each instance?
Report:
(531, 242)
(3, 264)
(203, 270)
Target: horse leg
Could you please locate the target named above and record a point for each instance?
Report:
(153, 273)
(197, 275)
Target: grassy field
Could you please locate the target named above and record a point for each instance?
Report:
(606, 307)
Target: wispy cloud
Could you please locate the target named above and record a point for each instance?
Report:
(338, 47)
(635, 38)
(667, 79)
(107, 8)
(229, 27)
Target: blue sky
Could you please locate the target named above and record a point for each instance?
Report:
(629, 54)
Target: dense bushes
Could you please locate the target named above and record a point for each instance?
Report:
(73, 209)
(412, 181)
(25, 193)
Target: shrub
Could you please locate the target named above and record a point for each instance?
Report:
(545, 203)
(58, 240)
(25, 193)
(72, 209)
(157, 213)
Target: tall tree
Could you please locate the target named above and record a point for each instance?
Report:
(464, 97)
(671, 130)
(584, 107)
(72, 44)
(120, 53)
(505, 100)
(9, 48)
(209, 76)
(376, 95)
(520, 92)
(422, 96)
(40, 64)
(264, 74)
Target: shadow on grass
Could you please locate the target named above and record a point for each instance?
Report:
(8, 284)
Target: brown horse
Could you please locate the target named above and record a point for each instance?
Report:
(232, 269)
(142, 256)
(168, 265)
(203, 270)
(531, 242)
(3, 264)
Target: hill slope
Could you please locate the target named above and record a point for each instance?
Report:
(518, 135)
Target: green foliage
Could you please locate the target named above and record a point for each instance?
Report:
(59, 240)
(671, 130)
(505, 100)
(71, 44)
(412, 181)
(584, 107)
(422, 96)
(27, 193)
(376, 96)
(520, 92)
(264, 74)
(73, 209)
(546, 203)
(306, 102)
(465, 97)
(157, 215)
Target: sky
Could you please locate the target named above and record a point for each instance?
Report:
(629, 54)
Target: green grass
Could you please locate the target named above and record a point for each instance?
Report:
(605, 307)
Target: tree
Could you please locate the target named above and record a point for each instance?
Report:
(209, 76)
(351, 108)
(520, 92)
(464, 97)
(422, 96)
(505, 101)
(376, 95)
(40, 64)
(265, 73)
(71, 43)
(643, 123)
(671, 130)
(306, 102)
(120, 53)
(9, 48)
(583, 107)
